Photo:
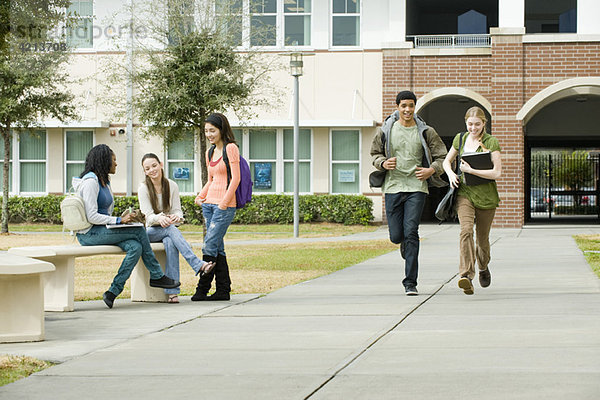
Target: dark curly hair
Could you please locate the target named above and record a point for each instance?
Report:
(99, 161)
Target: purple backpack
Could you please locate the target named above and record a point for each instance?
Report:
(243, 193)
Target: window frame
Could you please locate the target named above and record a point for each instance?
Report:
(19, 161)
(279, 159)
(291, 14)
(332, 16)
(278, 24)
(277, 183)
(81, 17)
(195, 161)
(280, 16)
(300, 160)
(66, 183)
(353, 162)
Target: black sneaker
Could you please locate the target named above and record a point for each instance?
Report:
(164, 282)
(485, 278)
(411, 291)
(402, 248)
(466, 285)
(109, 298)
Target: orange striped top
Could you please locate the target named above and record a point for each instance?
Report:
(215, 191)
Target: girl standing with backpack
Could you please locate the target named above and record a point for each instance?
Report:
(218, 202)
(161, 204)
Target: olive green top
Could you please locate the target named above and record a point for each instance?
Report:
(407, 148)
(484, 196)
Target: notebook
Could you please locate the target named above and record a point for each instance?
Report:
(130, 225)
(477, 160)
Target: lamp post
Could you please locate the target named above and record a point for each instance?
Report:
(296, 71)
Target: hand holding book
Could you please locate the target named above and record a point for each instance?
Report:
(477, 161)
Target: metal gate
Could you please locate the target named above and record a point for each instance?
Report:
(564, 186)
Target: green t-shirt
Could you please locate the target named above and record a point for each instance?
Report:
(483, 196)
(407, 148)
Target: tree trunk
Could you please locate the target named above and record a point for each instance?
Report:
(5, 178)
(202, 140)
(203, 168)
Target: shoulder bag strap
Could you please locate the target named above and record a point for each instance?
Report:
(460, 141)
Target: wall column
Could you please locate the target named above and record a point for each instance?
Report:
(507, 99)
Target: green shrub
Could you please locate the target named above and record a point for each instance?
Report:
(45, 209)
(575, 210)
(279, 209)
(264, 209)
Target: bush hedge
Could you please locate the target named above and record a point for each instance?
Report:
(264, 209)
(575, 210)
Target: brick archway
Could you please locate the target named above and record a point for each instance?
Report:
(453, 91)
(557, 91)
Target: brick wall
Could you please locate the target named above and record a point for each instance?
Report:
(508, 78)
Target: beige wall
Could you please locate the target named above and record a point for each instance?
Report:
(334, 86)
(55, 165)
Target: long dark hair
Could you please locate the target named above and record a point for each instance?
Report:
(221, 122)
(99, 161)
(165, 188)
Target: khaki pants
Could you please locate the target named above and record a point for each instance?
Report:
(468, 216)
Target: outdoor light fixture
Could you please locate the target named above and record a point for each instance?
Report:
(296, 64)
(296, 71)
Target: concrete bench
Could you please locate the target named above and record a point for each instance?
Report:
(22, 298)
(58, 286)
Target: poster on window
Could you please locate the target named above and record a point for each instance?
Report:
(181, 173)
(346, 175)
(262, 175)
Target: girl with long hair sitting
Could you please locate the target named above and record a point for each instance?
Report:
(160, 202)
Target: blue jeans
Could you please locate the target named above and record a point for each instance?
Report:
(134, 241)
(217, 222)
(403, 211)
(174, 244)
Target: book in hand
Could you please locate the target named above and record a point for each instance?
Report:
(130, 225)
(477, 160)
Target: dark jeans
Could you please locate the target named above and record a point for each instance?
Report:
(403, 211)
(133, 241)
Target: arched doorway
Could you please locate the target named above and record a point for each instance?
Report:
(562, 149)
(444, 109)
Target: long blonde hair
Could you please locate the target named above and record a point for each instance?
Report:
(478, 113)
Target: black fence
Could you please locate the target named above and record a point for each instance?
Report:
(564, 186)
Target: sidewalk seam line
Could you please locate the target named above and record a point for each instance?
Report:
(363, 351)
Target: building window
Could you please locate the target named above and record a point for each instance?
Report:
(345, 161)
(181, 21)
(80, 34)
(263, 22)
(10, 164)
(230, 20)
(297, 22)
(345, 23)
(181, 164)
(263, 159)
(304, 157)
(542, 16)
(239, 139)
(77, 145)
(32, 161)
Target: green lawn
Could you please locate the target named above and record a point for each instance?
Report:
(17, 367)
(590, 244)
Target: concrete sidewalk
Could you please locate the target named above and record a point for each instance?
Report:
(350, 335)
